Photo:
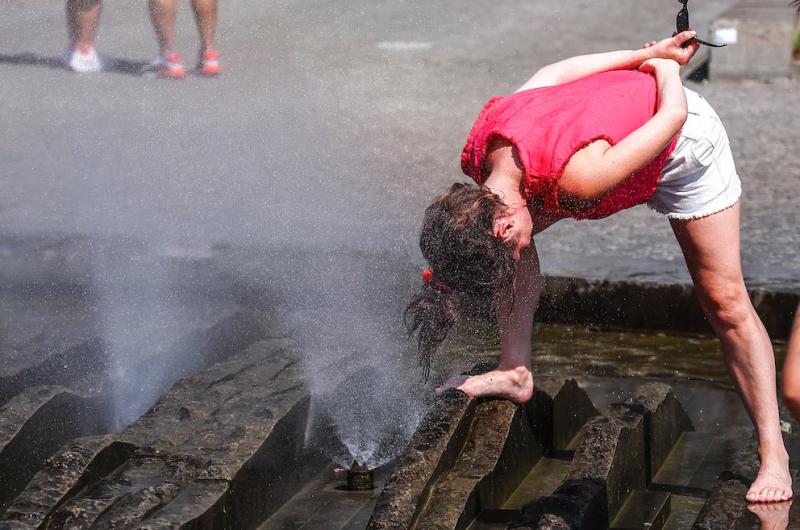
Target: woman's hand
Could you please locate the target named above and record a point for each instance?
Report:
(672, 48)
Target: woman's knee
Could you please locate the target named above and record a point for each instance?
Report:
(728, 307)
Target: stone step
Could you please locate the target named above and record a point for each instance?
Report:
(684, 511)
(696, 461)
(614, 458)
(37, 419)
(467, 458)
(498, 454)
(223, 448)
(36, 423)
(325, 503)
(544, 478)
(643, 509)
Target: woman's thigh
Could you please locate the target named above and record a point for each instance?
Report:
(711, 249)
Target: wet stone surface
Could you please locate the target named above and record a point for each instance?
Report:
(237, 426)
(37, 422)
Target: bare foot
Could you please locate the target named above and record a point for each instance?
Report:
(515, 384)
(773, 516)
(773, 483)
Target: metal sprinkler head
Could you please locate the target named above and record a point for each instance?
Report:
(360, 478)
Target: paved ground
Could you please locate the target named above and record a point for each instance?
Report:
(319, 133)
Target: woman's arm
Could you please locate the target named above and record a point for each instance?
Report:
(513, 379)
(585, 65)
(597, 169)
(515, 313)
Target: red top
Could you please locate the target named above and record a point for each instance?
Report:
(548, 125)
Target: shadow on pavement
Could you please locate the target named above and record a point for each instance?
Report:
(110, 64)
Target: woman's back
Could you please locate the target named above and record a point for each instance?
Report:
(548, 125)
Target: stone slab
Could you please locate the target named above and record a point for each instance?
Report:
(665, 421)
(79, 464)
(612, 460)
(222, 448)
(643, 510)
(433, 449)
(36, 423)
(726, 502)
(496, 457)
(558, 410)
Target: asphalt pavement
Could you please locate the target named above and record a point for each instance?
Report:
(336, 123)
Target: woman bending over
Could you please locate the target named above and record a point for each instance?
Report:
(586, 138)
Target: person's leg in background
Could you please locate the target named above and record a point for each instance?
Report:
(205, 14)
(790, 383)
(83, 19)
(163, 14)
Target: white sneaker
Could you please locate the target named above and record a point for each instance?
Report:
(83, 62)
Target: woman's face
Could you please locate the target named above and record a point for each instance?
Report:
(514, 227)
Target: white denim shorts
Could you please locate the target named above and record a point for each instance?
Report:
(700, 178)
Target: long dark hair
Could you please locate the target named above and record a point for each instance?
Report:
(466, 259)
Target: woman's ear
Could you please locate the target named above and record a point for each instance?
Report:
(503, 227)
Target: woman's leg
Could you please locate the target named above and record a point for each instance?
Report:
(711, 248)
(205, 14)
(163, 14)
(790, 385)
(83, 18)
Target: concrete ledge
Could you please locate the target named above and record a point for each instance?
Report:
(627, 304)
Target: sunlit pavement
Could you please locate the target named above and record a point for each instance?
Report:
(337, 122)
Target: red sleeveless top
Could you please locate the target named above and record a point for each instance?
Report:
(548, 125)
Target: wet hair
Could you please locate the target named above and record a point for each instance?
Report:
(467, 261)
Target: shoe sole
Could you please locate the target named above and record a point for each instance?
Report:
(170, 73)
(210, 71)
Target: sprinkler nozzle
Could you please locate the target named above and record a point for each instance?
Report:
(360, 478)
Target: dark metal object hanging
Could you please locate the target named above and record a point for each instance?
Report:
(682, 24)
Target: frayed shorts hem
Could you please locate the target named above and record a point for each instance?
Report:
(695, 215)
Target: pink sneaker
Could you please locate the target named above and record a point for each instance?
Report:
(169, 67)
(209, 63)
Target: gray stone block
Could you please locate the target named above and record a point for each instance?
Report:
(433, 449)
(608, 465)
(558, 410)
(497, 456)
(36, 423)
(222, 449)
(643, 510)
(726, 503)
(79, 464)
(665, 422)
(649, 305)
(760, 37)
